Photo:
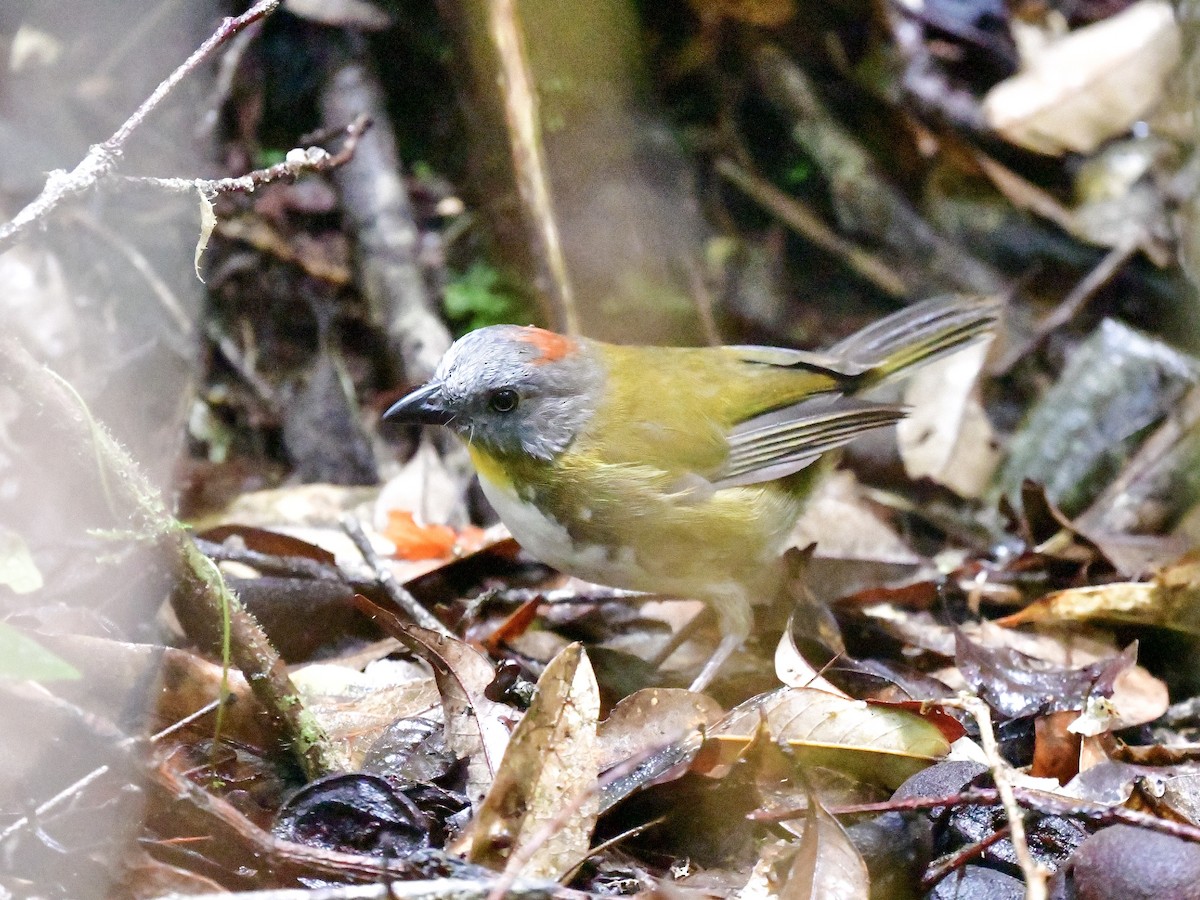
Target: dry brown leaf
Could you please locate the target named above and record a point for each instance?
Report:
(1090, 85)
(477, 729)
(539, 815)
(1170, 600)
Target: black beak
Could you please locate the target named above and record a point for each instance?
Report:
(422, 405)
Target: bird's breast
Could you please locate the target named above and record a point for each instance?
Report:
(549, 539)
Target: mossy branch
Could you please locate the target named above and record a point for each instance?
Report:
(200, 598)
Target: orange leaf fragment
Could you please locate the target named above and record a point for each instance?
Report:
(414, 541)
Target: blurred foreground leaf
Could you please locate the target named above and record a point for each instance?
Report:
(24, 659)
(17, 568)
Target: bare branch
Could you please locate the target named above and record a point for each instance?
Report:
(102, 159)
(299, 162)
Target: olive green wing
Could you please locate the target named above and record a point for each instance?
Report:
(780, 443)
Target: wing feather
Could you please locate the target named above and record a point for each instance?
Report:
(784, 441)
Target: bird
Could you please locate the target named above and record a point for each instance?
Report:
(668, 470)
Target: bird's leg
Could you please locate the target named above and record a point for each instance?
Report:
(680, 637)
(730, 642)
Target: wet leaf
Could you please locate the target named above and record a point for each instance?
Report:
(1015, 684)
(652, 718)
(1090, 85)
(476, 727)
(880, 744)
(353, 814)
(23, 658)
(543, 805)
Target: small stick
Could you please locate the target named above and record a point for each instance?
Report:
(65, 794)
(396, 592)
(1035, 875)
(795, 216)
(306, 161)
(957, 860)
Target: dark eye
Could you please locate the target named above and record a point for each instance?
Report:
(504, 400)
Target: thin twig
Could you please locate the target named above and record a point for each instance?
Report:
(1073, 303)
(1091, 811)
(102, 159)
(1035, 874)
(396, 592)
(791, 213)
(71, 790)
(211, 706)
(703, 301)
(158, 287)
(299, 162)
(936, 873)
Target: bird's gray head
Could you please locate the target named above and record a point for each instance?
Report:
(511, 390)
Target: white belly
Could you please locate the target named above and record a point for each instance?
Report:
(550, 542)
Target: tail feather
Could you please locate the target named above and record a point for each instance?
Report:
(918, 334)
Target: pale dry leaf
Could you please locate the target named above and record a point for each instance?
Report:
(1090, 85)
(795, 671)
(208, 221)
(881, 744)
(427, 488)
(543, 803)
(342, 13)
(843, 527)
(946, 437)
(31, 48)
(827, 866)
